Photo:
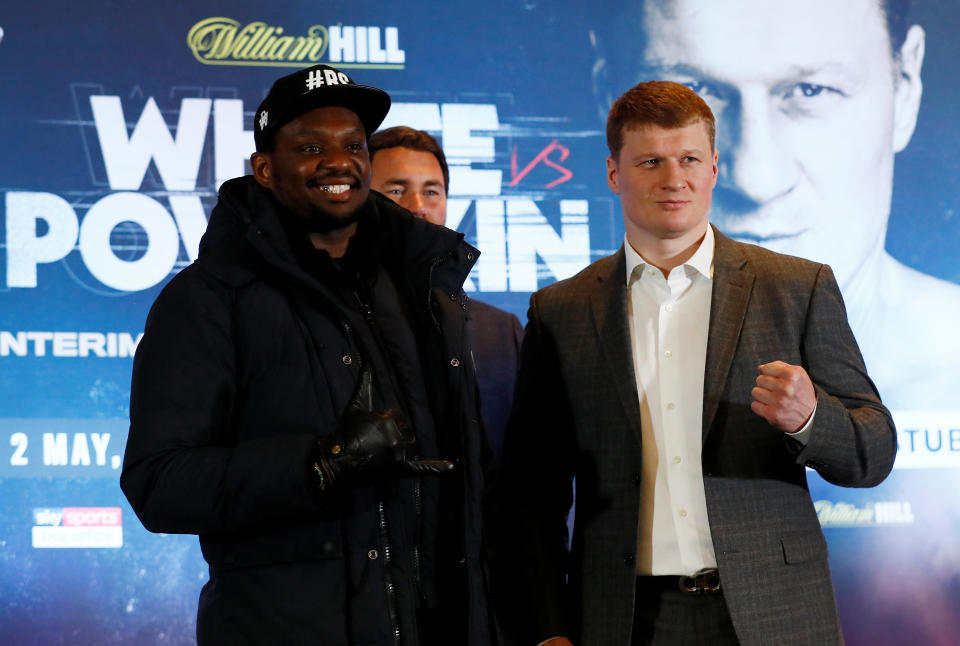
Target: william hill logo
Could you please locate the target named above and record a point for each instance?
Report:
(224, 41)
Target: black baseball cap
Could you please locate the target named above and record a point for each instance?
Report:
(318, 86)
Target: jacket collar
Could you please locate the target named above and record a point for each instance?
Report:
(608, 303)
(732, 283)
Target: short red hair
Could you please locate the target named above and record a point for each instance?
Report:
(659, 103)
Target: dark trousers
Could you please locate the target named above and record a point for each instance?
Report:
(664, 615)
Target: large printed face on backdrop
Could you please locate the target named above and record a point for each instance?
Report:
(811, 106)
(414, 180)
(319, 167)
(664, 177)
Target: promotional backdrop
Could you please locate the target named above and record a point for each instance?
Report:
(120, 120)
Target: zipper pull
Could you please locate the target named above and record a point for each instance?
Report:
(364, 308)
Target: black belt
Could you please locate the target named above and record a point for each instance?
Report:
(706, 581)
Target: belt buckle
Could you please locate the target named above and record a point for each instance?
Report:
(703, 582)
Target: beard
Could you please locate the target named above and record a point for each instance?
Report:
(319, 221)
(314, 216)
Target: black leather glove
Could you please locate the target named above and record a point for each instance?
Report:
(369, 446)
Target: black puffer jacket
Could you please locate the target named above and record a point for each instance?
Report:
(246, 359)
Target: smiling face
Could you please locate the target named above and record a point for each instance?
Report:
(318, 168)
(664, 177)
(413, 179)
(811, 106)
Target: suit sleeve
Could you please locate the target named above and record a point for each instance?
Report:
(536, 493)
(183, 471)
(853, 441)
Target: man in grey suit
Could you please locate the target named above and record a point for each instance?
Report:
(685, 382)
(800, 89)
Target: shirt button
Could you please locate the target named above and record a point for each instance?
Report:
(372, 555)
(628, 558)
(455, 362)
(676, 459)
(346, 359)
(671, 406)
(636, 479)
(683, 513)
(668, 354)
(669, 308)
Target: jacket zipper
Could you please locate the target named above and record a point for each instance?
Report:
(418, 506)
(387, 569)
(381, 511)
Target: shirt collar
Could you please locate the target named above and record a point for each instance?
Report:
(701, 261)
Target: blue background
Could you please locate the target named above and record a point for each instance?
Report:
(894, 583)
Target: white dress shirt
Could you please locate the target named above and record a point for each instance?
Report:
(669, 319)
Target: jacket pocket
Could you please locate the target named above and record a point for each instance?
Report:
(804, 546)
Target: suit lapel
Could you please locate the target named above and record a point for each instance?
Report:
(608, 303)
(732, 283)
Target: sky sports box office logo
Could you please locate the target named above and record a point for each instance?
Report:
(225, 41)
(79, 527)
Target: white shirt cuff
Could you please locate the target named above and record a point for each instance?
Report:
(802, 434)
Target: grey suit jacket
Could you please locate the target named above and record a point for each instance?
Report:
(577, 416)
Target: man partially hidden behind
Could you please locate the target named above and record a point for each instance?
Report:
(686, 382)
(303, 400)
(410, 168)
